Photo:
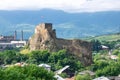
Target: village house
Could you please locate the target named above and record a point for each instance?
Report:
(92, 74)
(101, 78)
(46, 66)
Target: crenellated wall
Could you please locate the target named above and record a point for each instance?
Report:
(45, 39)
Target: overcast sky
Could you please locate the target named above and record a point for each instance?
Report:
(65, 5)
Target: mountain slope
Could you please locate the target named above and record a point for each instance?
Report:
(109, 37)
(68, 25)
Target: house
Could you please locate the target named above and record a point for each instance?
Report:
(110, 52)
(12, 44)
(22, 64)
(101, 78)
(19, 43)
(104, 47)
(46, 66)
(73, 78)
(87, 72)
(58, 77)
(6, 38)
(114, 78)
(114, 57)
(65, 70)
(4, 46)
(61, 70)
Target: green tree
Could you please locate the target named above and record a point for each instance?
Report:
(83, 77)
(29, 72)
(96, 45)
(110, 70)
(39, 56)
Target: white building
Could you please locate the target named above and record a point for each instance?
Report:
(61, 70)
(6, 46)
(12, 44)
(46, 66)
(114, 57)
(19, 43)
(87, 72)
(104, 47)
(59, 77)
(101, 78)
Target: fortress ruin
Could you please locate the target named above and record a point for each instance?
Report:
(45, 39)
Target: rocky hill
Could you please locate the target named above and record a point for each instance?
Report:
(45, 39)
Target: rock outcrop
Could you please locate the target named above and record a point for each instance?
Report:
(45, 39)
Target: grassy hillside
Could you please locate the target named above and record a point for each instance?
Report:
(110, 37)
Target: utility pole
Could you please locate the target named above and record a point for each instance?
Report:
(15, 35)
(119, 30)
(21, 35)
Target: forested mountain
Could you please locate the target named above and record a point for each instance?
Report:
(67, 25)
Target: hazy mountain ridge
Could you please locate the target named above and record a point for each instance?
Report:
(68, 25)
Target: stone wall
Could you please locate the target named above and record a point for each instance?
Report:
(45, 39)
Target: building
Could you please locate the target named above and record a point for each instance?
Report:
(104, 47)
(19, 43)
(114, 57)
(21, 64)
(59, 77)
(4, 46)
(87, 72)
(45, 38)
(101, 78)
(6, 38)
(114, 77)
(73, 78)
(61, 70)
(46, 66)
(10, 42)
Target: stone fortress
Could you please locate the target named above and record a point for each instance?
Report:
(45, 39)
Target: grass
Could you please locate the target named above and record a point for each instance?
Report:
(25, 51)
(110, 37)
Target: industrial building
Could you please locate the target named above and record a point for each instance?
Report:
(11, 42)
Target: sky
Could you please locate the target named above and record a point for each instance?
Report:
(72, 6)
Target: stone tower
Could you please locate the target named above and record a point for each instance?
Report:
(45, 39)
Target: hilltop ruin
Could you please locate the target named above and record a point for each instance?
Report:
(45, 39)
